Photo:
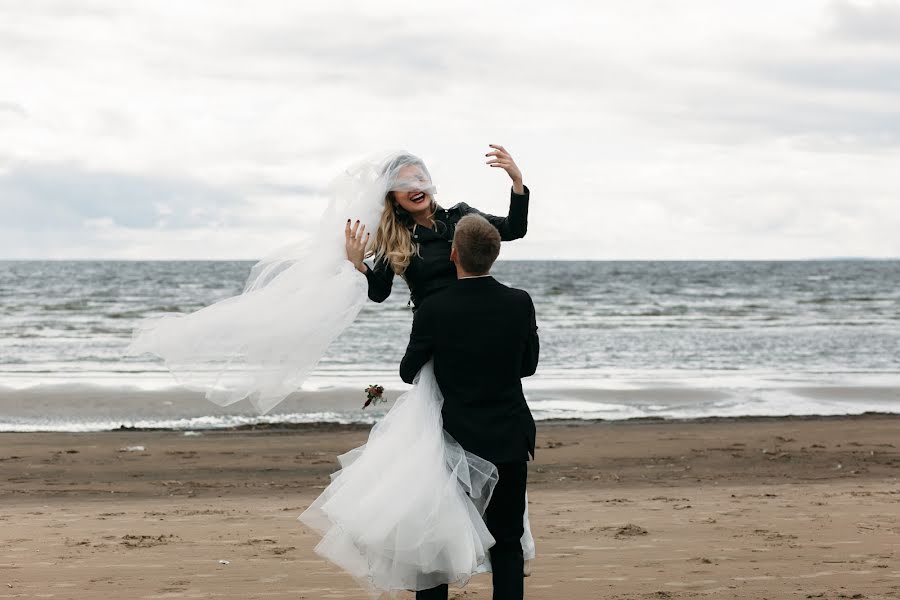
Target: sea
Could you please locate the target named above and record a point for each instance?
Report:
(619, 340)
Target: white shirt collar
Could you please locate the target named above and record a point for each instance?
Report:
(474, 276)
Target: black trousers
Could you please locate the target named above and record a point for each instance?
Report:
(504, 517)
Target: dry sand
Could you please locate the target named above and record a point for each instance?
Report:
(723, 508)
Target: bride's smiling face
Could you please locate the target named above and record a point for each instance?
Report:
(411, 197)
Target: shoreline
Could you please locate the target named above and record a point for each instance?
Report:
(337, 426)
(72, 407)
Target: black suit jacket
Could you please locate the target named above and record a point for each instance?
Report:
(483, 338)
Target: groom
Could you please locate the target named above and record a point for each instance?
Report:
(483, 337)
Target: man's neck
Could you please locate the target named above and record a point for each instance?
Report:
(461, 274)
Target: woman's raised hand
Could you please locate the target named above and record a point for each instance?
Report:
(355, 240)
(503, 160)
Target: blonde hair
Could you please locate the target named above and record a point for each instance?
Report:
(393, 238)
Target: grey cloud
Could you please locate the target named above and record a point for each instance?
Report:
(876, 22)
(114, 123)
(845, 101)
(383, 60)
(845, 73)
(19, 45)
(284, 189)
(387, 57)
(749, 119)
(385, 44)
(63, 196)
(14, 108)
(851, 97)
(379, 56)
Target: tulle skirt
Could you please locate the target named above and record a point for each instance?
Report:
(405, 510)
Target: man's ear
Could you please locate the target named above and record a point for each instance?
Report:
(453, 255)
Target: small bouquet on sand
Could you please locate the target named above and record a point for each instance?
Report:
(374, 395)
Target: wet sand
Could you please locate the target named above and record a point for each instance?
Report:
(718, 508)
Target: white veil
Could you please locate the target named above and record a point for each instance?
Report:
(263, 343)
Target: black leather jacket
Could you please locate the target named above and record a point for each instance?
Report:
(430, 268)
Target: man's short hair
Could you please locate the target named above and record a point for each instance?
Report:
(477, 244)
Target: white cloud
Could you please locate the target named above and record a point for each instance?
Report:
(645, 129)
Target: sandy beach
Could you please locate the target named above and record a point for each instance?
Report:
(718, 508)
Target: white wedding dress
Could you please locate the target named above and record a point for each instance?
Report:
(405, 510)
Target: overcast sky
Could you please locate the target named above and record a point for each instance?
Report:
(645, 129)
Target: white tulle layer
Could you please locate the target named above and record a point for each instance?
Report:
(405, 510)
(263, 343)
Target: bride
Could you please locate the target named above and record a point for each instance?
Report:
(405, 510)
